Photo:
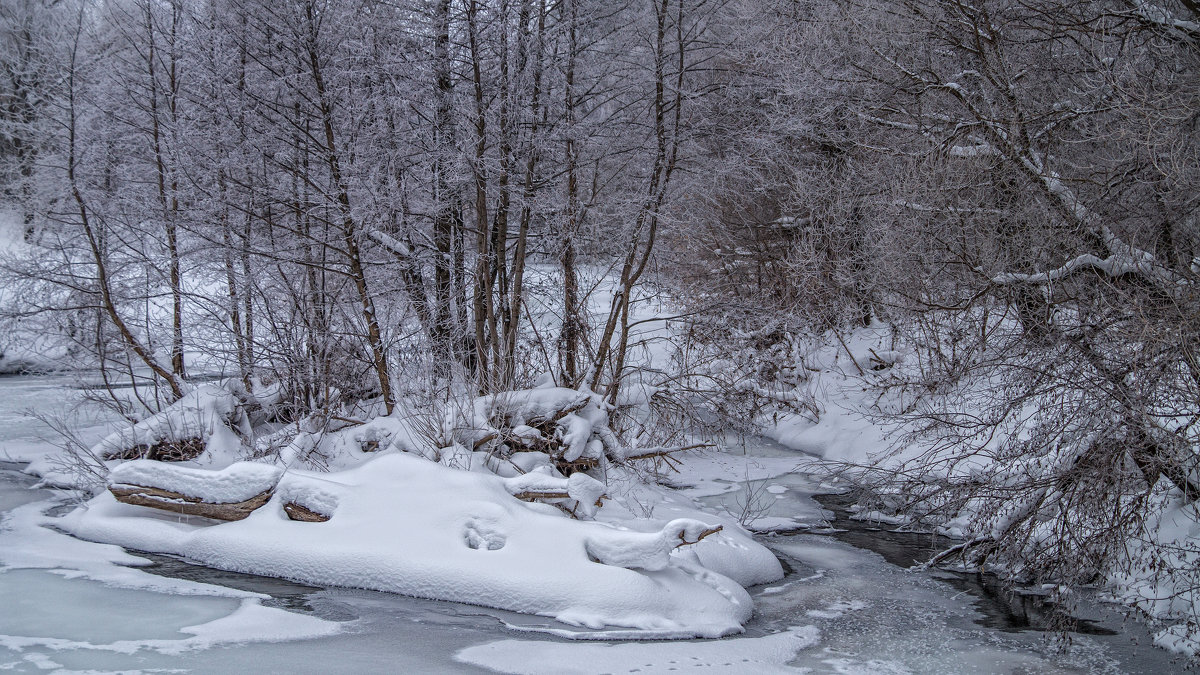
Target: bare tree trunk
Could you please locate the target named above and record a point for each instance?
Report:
(233, 288)
(107, 303)
(571, 325)
(349, 226)
(512, 322)
(665, 156)
(447, 218)
(498, 260)
(168, 196)
(482, 286)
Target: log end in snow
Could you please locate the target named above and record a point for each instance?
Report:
(303, 514)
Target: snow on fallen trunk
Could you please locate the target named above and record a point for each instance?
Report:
(582, 488)
(235, 483)
(410, 526)
(229, 494)
(568, 425)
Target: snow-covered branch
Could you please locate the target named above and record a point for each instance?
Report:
(1124, 259)
(1160, 17)
(926, 208)
(391, 243)
(980, 149)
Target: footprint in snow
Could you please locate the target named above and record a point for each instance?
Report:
(482, 536)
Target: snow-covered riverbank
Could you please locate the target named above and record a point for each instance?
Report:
(839, 609)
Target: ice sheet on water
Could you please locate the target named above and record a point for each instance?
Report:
(34, 600)
(768, 654)
(878, 618)
(249, 622)
(68, 595)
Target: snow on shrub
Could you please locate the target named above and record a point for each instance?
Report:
(202, 421)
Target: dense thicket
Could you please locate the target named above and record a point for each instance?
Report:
(319, 190)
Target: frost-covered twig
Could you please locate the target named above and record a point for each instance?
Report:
(953, 550)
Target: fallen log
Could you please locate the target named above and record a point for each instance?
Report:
(534, 495)
(175, 502)
(553, 498)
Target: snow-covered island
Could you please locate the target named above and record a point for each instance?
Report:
(506, 530)
(475, 526)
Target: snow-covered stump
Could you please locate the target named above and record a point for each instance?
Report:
(230, 494)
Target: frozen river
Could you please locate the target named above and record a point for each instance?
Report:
(71, 606)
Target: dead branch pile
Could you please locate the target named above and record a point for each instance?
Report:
(163, 451)
(571, 427)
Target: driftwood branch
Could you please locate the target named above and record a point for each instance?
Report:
(960, 548)
(684, 542)
(166, 500)
(535, 495)
(657, 453)
(539, 495)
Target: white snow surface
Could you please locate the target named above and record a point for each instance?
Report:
(404, 524)
(235, 483)
(768, 654)
(250, 622)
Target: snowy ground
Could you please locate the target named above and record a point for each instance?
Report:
(88, 607)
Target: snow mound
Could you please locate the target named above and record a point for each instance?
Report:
(645, 550)
(407, 525)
